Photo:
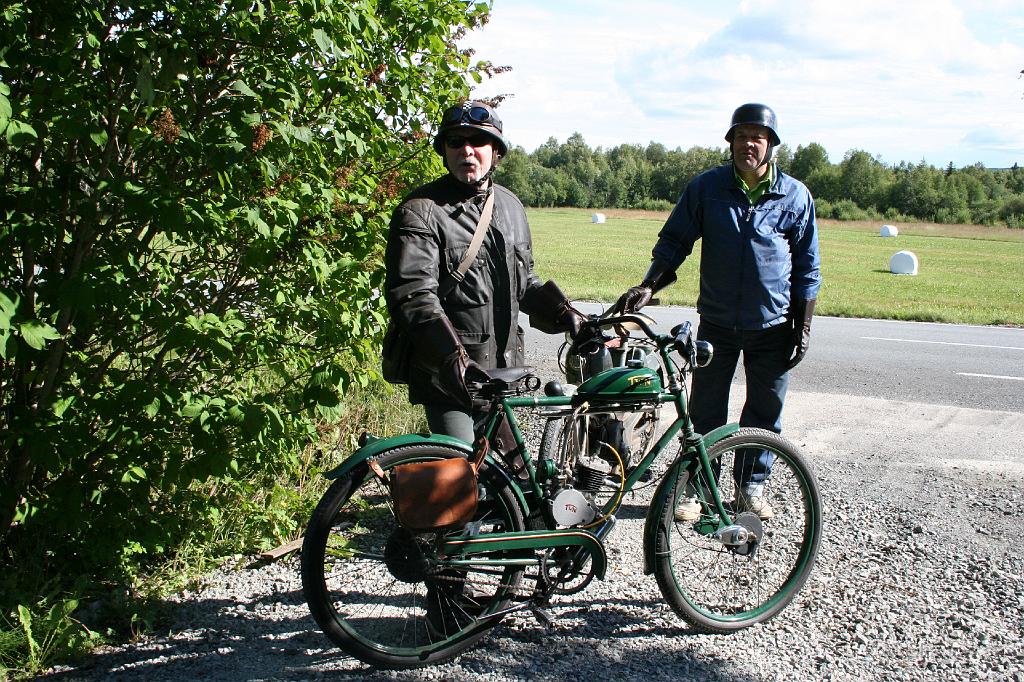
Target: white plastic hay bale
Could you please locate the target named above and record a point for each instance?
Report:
(889, 231)
(598, 218)
(903, 263)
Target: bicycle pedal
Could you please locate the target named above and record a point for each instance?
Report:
(543, 617)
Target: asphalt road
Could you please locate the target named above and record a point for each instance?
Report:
(938, 364)
(901, 395)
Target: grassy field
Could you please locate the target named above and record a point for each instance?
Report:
(967, 274)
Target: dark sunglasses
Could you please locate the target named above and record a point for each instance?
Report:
(472, 114)
(458, 142)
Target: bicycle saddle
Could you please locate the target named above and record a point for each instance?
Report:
(503, 381)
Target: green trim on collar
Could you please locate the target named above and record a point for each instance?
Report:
(755, 193)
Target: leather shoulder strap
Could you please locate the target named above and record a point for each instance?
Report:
(448, 284)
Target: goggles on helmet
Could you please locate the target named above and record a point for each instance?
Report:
(459, 114)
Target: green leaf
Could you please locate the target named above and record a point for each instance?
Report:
(99, 138)
(25, 618)
(240, 86)
(8, 344)
(36, 333)
(321, 39)
(144, 84)
(133, 475)
(60, 406)
(8, 307)
(152, 409)
(276, 423)
(20, 133)
(5, 112)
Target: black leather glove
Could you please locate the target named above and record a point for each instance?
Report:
(634, 299)
(571, 319)
(658, 276)
(452, 375)
(801, 311)
(440, 350)
(550, 310)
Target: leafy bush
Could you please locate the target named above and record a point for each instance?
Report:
(654, 205)
(195, 205)
(845, 209)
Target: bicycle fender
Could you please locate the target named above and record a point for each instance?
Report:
(533, 539)
(652, 523)
(718, 434)
(377, 446)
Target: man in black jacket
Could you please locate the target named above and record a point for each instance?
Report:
(473, 324)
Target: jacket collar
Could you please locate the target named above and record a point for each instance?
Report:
(463, 192)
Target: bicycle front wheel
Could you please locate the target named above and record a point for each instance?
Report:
(714, 582)
(381, 592)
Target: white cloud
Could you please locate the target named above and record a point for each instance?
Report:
(906, 81)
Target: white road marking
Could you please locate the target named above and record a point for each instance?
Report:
(941, 343)
(990, 376)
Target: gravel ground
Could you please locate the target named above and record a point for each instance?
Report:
(920, 576)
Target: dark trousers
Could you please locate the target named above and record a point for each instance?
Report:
(765, 356)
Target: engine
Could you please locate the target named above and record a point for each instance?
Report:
(574, 506)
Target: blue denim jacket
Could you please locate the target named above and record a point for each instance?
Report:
(754, 258)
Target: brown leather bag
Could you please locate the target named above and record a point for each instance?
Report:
(437, 495)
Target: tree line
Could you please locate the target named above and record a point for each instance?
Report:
(859, 187)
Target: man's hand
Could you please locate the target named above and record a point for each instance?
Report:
(571, 318)
(634, 299)
(801, 313)
(658, 276)
(452, 375)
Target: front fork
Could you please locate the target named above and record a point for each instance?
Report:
(691, 442)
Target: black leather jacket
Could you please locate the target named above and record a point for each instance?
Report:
(428, 238)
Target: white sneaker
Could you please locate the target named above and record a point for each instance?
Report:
(688, 509)
(754, 503)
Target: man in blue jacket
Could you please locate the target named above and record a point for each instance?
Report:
(759, 278)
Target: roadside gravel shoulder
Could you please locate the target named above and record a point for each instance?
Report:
(920, 576)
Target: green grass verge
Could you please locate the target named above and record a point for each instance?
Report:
(967, 274)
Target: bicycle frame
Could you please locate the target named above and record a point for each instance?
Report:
(695, 446)
(694, 450)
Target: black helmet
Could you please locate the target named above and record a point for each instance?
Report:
(755, 114)
(473, 115)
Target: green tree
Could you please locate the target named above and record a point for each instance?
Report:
(784, 157)
(807, 160)
(195, 199)
(862, 178)
(917, 191)
(632, 171)
(825, 183)
(514, 173)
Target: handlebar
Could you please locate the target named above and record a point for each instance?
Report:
(599, 322)
(696, 353)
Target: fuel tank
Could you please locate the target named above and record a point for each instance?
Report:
(621, 383)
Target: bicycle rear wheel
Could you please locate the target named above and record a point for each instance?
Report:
(382, 593)
(721, 588)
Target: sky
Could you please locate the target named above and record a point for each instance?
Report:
(937, 81)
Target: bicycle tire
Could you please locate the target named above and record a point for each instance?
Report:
(373, 587)
(549, 437)
(716, 589)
